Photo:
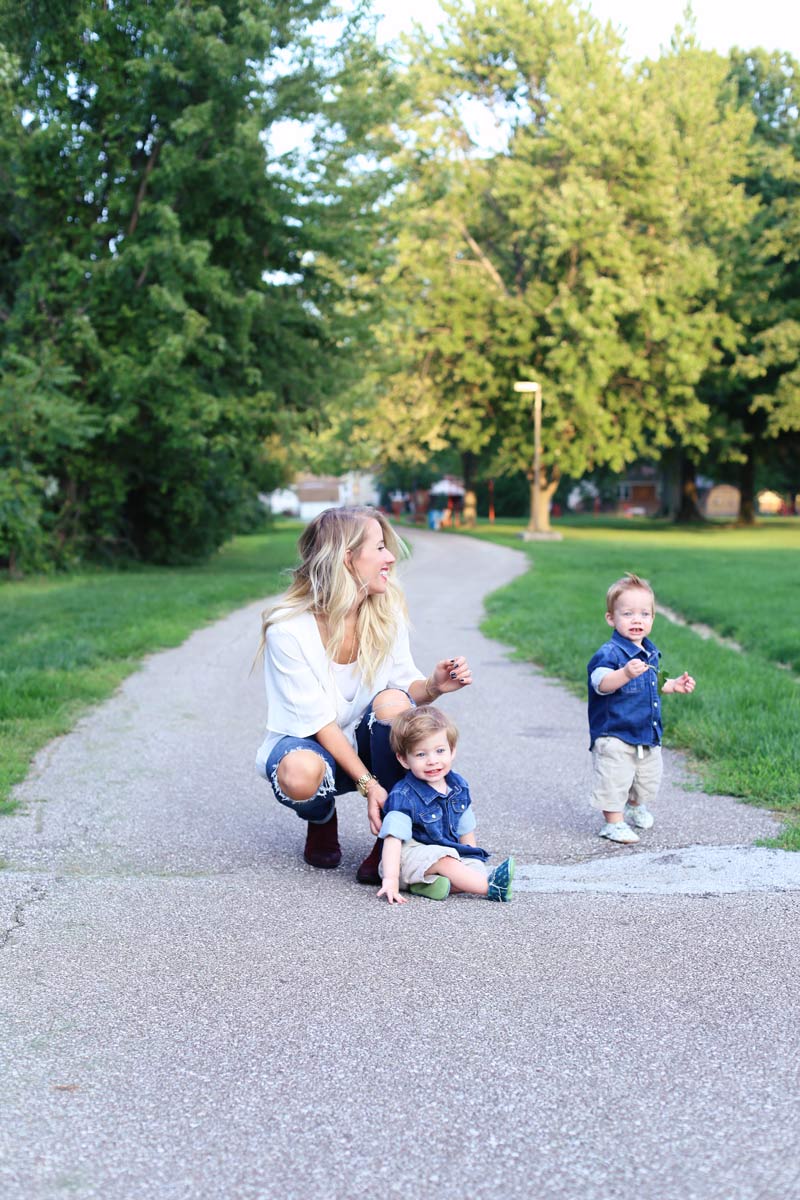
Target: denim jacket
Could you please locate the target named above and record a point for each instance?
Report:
(435, 819)
(633, 712)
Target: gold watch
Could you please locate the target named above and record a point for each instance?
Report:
(363, 783)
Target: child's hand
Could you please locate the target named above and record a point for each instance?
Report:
(391, 890)
(635, 667)
(684, 683)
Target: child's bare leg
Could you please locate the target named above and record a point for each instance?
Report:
(613, 818)
(464, 878)
(474, 865)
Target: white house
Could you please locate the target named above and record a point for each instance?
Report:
(310, 494)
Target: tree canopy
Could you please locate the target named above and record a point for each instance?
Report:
(587, 244)
(175, 295)
(190, 312)
(755, 387)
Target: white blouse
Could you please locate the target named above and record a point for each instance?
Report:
(306, 691)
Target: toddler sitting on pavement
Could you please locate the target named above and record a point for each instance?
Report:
(428, 823)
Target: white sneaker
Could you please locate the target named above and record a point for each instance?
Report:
(639, 816)
(619, 832)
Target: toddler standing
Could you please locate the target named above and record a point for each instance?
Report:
(625, 712)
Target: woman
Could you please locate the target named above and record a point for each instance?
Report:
(338, 669)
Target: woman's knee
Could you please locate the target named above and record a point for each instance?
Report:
(300, 774)
(389, 703)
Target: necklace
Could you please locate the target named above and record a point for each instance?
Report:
(351, 647)
(349, 656)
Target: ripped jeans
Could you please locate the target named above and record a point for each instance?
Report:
(372, 742)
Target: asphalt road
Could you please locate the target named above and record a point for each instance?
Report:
(188, 1010)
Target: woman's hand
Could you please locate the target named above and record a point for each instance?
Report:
(376, 798)
(449, 675)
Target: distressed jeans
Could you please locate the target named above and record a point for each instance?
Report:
(372, 743)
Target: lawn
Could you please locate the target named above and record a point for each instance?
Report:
(741, 725)
(68, 641)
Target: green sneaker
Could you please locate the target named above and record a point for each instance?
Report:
(438, 890)
(500, 881)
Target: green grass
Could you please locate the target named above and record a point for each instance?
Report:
(741, 725)
(68, 641)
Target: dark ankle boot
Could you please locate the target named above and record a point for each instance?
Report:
(368, 871)
(322, 847)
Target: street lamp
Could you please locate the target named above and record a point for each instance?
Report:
(534, 530)
(528, 386)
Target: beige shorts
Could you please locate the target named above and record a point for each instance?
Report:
(619, 774)
(416, 859)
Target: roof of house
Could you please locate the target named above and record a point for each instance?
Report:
(318, 487)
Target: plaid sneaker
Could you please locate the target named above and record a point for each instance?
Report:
(500, 881)
(619, 832)
(639, 816)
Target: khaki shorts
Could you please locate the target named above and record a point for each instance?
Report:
(620, 775)
(416, 859)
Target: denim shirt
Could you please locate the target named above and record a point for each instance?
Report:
(633, 712)
(435, 819)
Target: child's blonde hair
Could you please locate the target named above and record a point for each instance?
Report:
(629, 580)
(411, 726)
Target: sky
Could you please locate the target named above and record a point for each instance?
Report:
(720, 24)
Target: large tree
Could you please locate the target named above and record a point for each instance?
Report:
(566, 253)
(755, 388)
(180, 284)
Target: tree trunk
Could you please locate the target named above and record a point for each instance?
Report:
(689, 506)
(670, 471)
(540, 513)
(468, 470)
(747, 487)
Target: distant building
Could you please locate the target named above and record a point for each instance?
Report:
(639, 493)
(317, 492)
(283, 502)
(310, 494)
(770, 504)
(721, 500)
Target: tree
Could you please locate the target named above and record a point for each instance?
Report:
(709, 137)
(190, 292)
(756, 385)
(568, 254)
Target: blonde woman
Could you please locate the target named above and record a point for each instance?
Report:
(338, 670)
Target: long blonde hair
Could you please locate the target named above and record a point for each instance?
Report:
(323, 585)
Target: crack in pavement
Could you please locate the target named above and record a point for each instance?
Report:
(37, 893)
(691, 871)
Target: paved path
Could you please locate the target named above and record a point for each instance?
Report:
(190, 1011)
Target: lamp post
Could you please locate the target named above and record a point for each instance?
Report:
(527, 386)
(534, 530)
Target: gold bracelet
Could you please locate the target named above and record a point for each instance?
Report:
(431, 694)
(363, 783)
